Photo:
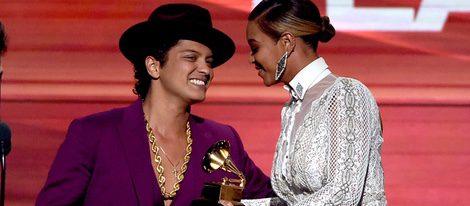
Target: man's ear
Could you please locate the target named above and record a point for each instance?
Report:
(287, 41)
(153, 67)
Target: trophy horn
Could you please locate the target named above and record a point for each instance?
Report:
(218, 157)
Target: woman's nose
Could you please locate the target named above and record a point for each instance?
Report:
(251, 59)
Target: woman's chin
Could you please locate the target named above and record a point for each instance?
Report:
(269, 82)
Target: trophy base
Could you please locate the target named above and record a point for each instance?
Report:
(213, 192)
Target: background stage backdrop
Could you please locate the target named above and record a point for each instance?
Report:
(64, 63)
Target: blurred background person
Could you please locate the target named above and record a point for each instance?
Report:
(3, 46)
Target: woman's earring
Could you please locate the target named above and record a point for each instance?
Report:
(281, 66)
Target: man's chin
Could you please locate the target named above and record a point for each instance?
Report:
(198, 100)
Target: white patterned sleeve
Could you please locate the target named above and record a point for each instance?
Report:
(273, 201)
(349, 141)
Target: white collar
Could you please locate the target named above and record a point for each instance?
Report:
(307, 77)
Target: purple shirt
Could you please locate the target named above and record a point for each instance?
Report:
(105, 160)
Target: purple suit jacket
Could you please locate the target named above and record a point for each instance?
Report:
(105, 160)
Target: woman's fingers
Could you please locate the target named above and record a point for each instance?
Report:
(225, 203)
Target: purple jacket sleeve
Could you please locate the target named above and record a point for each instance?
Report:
(70, 172)
(258, 185)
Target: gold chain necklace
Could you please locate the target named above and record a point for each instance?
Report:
(158, 159)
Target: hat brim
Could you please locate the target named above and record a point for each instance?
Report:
(140, 40)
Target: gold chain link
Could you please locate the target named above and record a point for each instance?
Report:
(158, 161)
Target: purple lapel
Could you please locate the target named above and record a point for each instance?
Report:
(192, 182)
(195, 177)
(134, 140)
(133, 137)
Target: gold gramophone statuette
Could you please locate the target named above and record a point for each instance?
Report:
(218, 157)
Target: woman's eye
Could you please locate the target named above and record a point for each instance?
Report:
(254, 50)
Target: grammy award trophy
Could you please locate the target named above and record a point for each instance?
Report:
(218, 157)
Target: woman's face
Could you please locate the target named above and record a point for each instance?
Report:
(187, 72)
(265, 53)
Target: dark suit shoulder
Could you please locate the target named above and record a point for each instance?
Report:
(102, 119)
(212, 125)
(212, 131)
(89, 130)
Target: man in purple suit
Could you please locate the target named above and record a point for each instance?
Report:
(151, 152)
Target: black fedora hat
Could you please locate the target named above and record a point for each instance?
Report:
(175, 22)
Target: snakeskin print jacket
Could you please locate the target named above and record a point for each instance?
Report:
(329, 149)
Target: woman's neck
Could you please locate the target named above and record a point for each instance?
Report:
(296, 62)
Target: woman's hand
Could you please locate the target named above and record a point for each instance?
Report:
(225, 203)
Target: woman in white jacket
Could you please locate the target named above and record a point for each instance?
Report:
(329, 149)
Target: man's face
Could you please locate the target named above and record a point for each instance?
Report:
(188, 71)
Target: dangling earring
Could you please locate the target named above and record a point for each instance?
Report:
(281, 66)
